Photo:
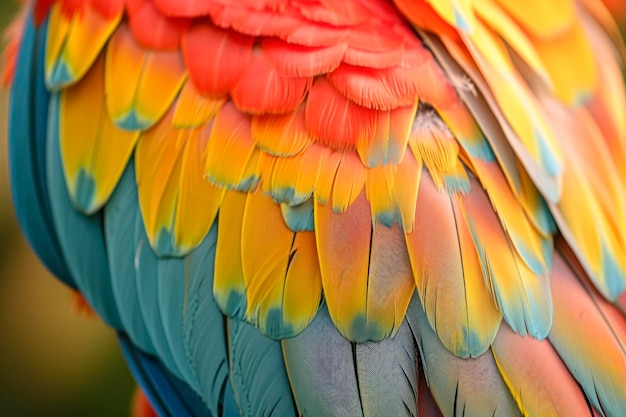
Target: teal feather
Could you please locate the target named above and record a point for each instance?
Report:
(454, 381)
(171, 293)
(167, 395)
(320, 365)
(204, 329)
(121, 215)
(257, 373)
(146, 273)
(81, 237)
(27, 152)
(299, 218)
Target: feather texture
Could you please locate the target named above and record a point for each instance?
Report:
(257, 372)
(251, 192)
(456, 301)
(372, 260)
(27, 153)
(470, 387)
(121, 219)
(77, 233)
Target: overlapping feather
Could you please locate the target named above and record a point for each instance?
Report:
(285, 150)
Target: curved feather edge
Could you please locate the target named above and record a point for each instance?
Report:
(458, 305)
(538, 379)
(257, 373)
(81, 237)
(332, 376)
(481, 103)
(204, 329)
(27, 161)
(146, 272)
(281, 270)
(453, 381)
(120, 217)
(320, 365)
(371, 259)
(387, 375)
(587, 342)
(167, 395)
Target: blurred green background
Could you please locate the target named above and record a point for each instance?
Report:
(53, 362)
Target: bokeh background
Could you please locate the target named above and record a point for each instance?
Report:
(53, 361)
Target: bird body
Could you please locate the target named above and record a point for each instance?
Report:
(356, 208)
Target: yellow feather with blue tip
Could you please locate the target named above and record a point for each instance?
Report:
(94, 151)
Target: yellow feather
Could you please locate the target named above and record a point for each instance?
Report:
(58, 28)
(573, 83)
(93, 149)
(73, 46)
(348, 183)
(231, 156)
(281, 270)
(448, 274)
(379, 186)
(366, 272)
(281, 134)
(140, 85)
(499, 21)
(541, 18)
(193, 109)
(158, 161)
(198, 200)
(229, 286)
(458, 13)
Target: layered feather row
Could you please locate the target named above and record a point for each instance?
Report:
(272, 157)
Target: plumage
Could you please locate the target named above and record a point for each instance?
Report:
(320, 365)
(453, 293)
(94, 150)
(522, 295)
(320, 208)
(600, 374)
(470, 387)
(380, 288)
(140, 85)
(254, 357)
(74, 43)
(27, 153)
(283, 281)
(78, 233)
(536, 376)
(122, 215)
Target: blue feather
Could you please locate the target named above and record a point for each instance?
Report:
(257, 373)
(81, 237)
(27, 163)
(146, 279)
(121, 217)
(167, 395)
(171, 293)
(299, 218)
(203, 328)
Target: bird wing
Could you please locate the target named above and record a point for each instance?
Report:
(335, 208)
